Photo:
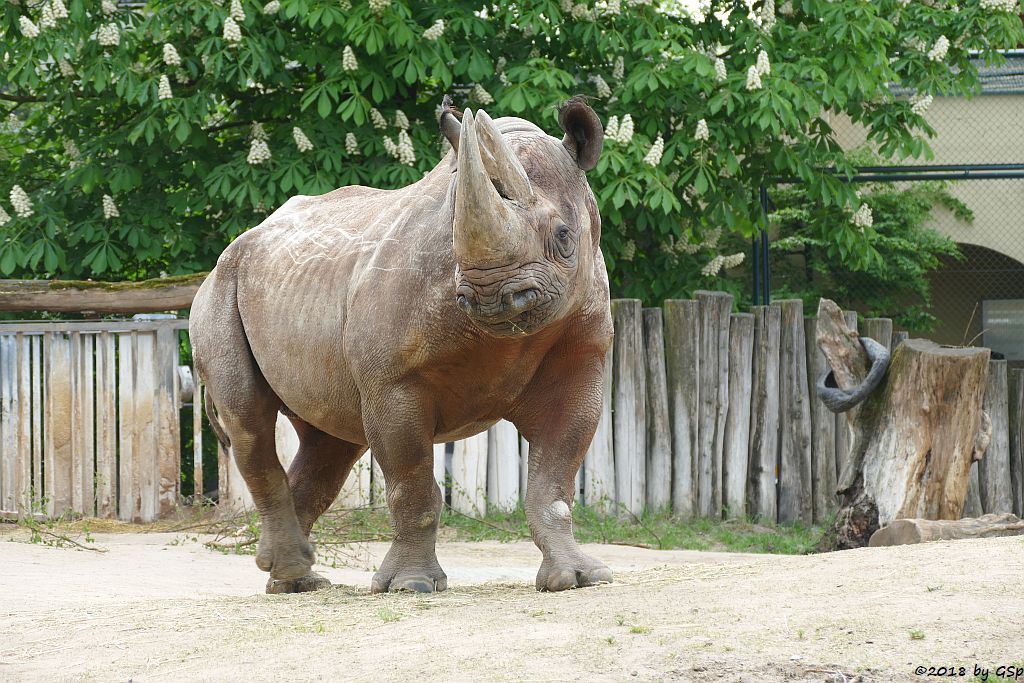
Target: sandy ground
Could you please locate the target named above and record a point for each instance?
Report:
(155, 608)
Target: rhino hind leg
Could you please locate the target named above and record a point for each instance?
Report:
(247, 407)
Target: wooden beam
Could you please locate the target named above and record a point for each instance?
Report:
(86, 296)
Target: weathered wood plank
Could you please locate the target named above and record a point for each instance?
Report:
(129, 479)
(599, 462)
(37, 423)
(823, 431)
(72, 296)
(994, 468)
(503, 466)
(715, 309)
(23, 415)
(78, 467)
(1017, 439)
(469, 475)
(106, 426)
(659, 434)
(84, 426)
(682, 371)
(737, 422)
(972, 502)
(879, 329)
(146, 425)
(8, 426)
(168, 421)
(57, 469)
(198, 490)
(763, 454)
(844, 435)
(628, 405)
(795, 497)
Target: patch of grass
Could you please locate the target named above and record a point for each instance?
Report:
(388, 615)
(640, 630)
(650, 530)
(916, 634)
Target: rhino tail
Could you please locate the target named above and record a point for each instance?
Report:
(215, 424)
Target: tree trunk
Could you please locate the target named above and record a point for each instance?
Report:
(86, 296)
(904, 531)
(914, 437)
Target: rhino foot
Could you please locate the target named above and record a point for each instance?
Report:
(306, 584)
(285, 562)
(559, 574)
(423, 581)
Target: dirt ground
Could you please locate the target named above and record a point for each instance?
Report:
(157, 608)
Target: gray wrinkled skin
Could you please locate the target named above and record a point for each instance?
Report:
(399, 319)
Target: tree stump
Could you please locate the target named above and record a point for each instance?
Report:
(916, 428)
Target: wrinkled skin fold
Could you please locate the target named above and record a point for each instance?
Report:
(400, 319)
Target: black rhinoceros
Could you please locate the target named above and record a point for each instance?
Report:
(397, 319)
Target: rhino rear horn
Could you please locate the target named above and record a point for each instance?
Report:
(584, 134)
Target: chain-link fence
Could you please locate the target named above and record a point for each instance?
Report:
(959, 279)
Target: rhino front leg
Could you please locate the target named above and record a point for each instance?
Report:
(405, 452)
(559, 436)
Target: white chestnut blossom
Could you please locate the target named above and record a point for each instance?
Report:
(702, 132)
(232, 32)
(710, 240)
(629, 251)
(163, 90)
(753, 78)
(171, 56)
(503, 78)
(110, 208)
(401, 120)
(377, 119)
(4, 216)
(763, 66)
(601, 85)
(481, 95)
(625, 135)
(768, 15)
(435, 31)
(108, 6)
(733, 260)
(500, 64)
(71, 149)
(406, 153)
(999, 5)
(28, 29)
(786, 8)
(46, 18)
(351, 144)
(109, 35)
(920, 102)
(613, 7)
(21, 202)
(863, 217)
(939, 50)
(390, 146)
(272, 7)
(348, 59)
(565, 5)
(301, 141)
(611, 130)
(712, 267)
(720, 73)
(581, 12)
(236, 11)
(258, 152)
(60, 11)
(653, 156)
(65, 67)
(378, 6)
(619, 70)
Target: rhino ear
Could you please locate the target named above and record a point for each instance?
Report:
(584, 134)
(451, 127)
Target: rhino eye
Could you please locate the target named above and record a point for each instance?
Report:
(563, 234)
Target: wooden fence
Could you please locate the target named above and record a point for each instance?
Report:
(89, 418)
(707, 413)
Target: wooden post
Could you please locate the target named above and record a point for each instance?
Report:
(8, 432)
(168, 421)
(503, 466)
(57, 424)
(599, 462)
(736, 445)
(898, 337)
(763, 455)
(628, 405)
(912, 449)
(38, 400)
(23, 466)
(994, 467)
(682, 371)
(198, 492)
(469, 475)
(659, 436)
(715, 308)
(795, 494)
(844, 435)
(823, 431)
(1016, 439)
(879, 329)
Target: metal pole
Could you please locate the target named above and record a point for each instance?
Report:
(755, 252)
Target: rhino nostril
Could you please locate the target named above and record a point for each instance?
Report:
(524, 300)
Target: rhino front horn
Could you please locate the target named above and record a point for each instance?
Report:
(485, 230)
